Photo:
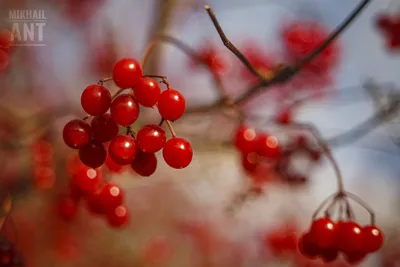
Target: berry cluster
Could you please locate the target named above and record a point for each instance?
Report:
(6, 41)
(256, 147)
(300, 38)
(43, 164)
(101, 197)
(9, 254)
(327, 238)
(389, 25)
(101, 138)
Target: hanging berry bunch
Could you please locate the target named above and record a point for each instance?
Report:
(100, 197)
(137, 150)
(327, 238)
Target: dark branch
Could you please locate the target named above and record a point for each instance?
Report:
(286, 73)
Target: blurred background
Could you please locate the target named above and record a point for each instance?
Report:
(178, 217)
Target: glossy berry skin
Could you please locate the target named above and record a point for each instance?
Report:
(177, 153)
(94, 204)
(151, 138)
(87, 180)
(96, 100)
(124, 110)
(122, 149)
(67, 208)
(373, 238)
(145, 164)
(245, 139)
(329, 255)
(118, 216)
(350, 237)
(104, 128)
(76, 134)
(112, 166)
(268, 146)
(171, 105)
(354, 258)
(250, 161)
(147, 92)
(93, 155)
(111, 196)
(323, 233)
(126, 73)
(307, 246)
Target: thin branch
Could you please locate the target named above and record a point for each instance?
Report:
(229, 44)
(287, 72)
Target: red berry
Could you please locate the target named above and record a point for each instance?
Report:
(111, 196)
(124, 110)
(250, 161)
(171, 105)
(177, 153)
(350, 237)
(93, 155)
(307, 247)
(76, 134)
(94, 204)
(104, 128)
(244, 139)
(323, 233)
(354, 258)
(126, 73)
(329, 254)
(112, 166)
(6, 39)
(118, 216)
(96, 100)
(145, 164)
(67, 208)
(373, 238)
(151, 138)
(268, 146)
(147, 92)
(122, 149)
(87, 180)
(4, 60)
(284, 117)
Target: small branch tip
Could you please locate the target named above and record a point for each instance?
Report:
(207, 7)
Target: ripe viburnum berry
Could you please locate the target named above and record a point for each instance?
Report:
(94, 204)
(373, 238)
(76, 134)
(308, 247)
(122, 149)
(323, 232)
(104, 128)
(171, 105)
(118, 216)
(177, 153)
(350, 237)
(67, 208)
(144, 164)
(151, 138)
(111, 196)
(96, 100)
(124, 109)
(147, 92)
(126, 73)
(244, 139)
(87, 180)
(93, 155)
(268, 146)
(390, 27)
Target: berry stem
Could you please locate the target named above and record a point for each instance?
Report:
(332, 198)
(117, 93)
(102, 81)
(242, 198)
(362, 203)
(323, 145)
(163, 78)
(171, 128)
